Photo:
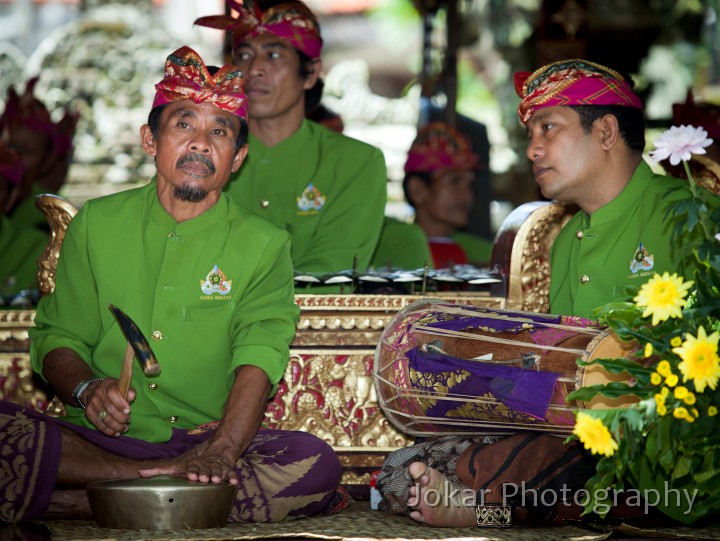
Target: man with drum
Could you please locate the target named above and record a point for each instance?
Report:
(212, 285)
(586, 131)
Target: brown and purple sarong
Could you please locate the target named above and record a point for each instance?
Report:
(283, 474)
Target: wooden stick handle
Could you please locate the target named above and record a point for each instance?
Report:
(126, 371)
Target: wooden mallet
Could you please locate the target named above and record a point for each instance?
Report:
(137, 346)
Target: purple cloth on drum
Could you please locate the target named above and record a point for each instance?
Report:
(523, 390)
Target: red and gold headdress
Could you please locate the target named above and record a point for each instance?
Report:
(439, 146)
(26, 110)
(291, 21)
(572, 82)
(187, 78)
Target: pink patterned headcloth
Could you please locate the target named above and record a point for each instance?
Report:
(572, 82)
(291, 21)
(187, 78)
(26, 110)
(439, 146)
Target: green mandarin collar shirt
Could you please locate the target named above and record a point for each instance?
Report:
(325, 189)
(20, 247)
(595, 258)
(210, 294)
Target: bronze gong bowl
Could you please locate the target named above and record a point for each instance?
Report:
(160, 503)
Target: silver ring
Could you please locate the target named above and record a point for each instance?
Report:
(102, 414)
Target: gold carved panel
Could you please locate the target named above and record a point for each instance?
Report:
(331, 394)
(522, 250)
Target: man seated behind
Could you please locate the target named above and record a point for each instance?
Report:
(327, 190)
(45, 148)
(586, 136)
(438, 183)
(212, 284)
(20, 244)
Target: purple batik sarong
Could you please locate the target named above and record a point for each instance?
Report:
(283, 474)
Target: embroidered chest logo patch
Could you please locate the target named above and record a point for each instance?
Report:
(311, 200)
(216, 282)
(642, 260)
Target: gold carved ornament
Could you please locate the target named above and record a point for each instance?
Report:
(522, 250)
(58, 212)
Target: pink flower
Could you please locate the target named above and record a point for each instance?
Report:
(679, 143)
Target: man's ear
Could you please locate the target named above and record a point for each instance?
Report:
(239, 158)
(609, 131)
(315, 66)
(148, 141)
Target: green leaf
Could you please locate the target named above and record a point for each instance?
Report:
(614, 389)
(617, 366)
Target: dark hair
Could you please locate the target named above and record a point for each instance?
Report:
(631, 122)
(424, 176)
(154, 123)
(312, 95)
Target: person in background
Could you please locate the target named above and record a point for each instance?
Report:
(586, 136)
(327, 190)
(20, 245)
(45, 148)
(212, 284)
(438, 184)
(402, 245)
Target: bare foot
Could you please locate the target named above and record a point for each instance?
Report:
(439, 502)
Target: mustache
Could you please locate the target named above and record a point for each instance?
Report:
(196, 157)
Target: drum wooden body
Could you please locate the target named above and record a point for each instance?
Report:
(519, 355)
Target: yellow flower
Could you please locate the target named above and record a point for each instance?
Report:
(655, 378)
(663, 297)
(659, 400)
(665, 392)
(671, 380)
(689, 399)
(712, 411)
(676, 341)
(682, 413)
(700, 361)
(661, 409)
(695, 412)
(663, 368)
(594, 435)
(680, 392)
(648, 350)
